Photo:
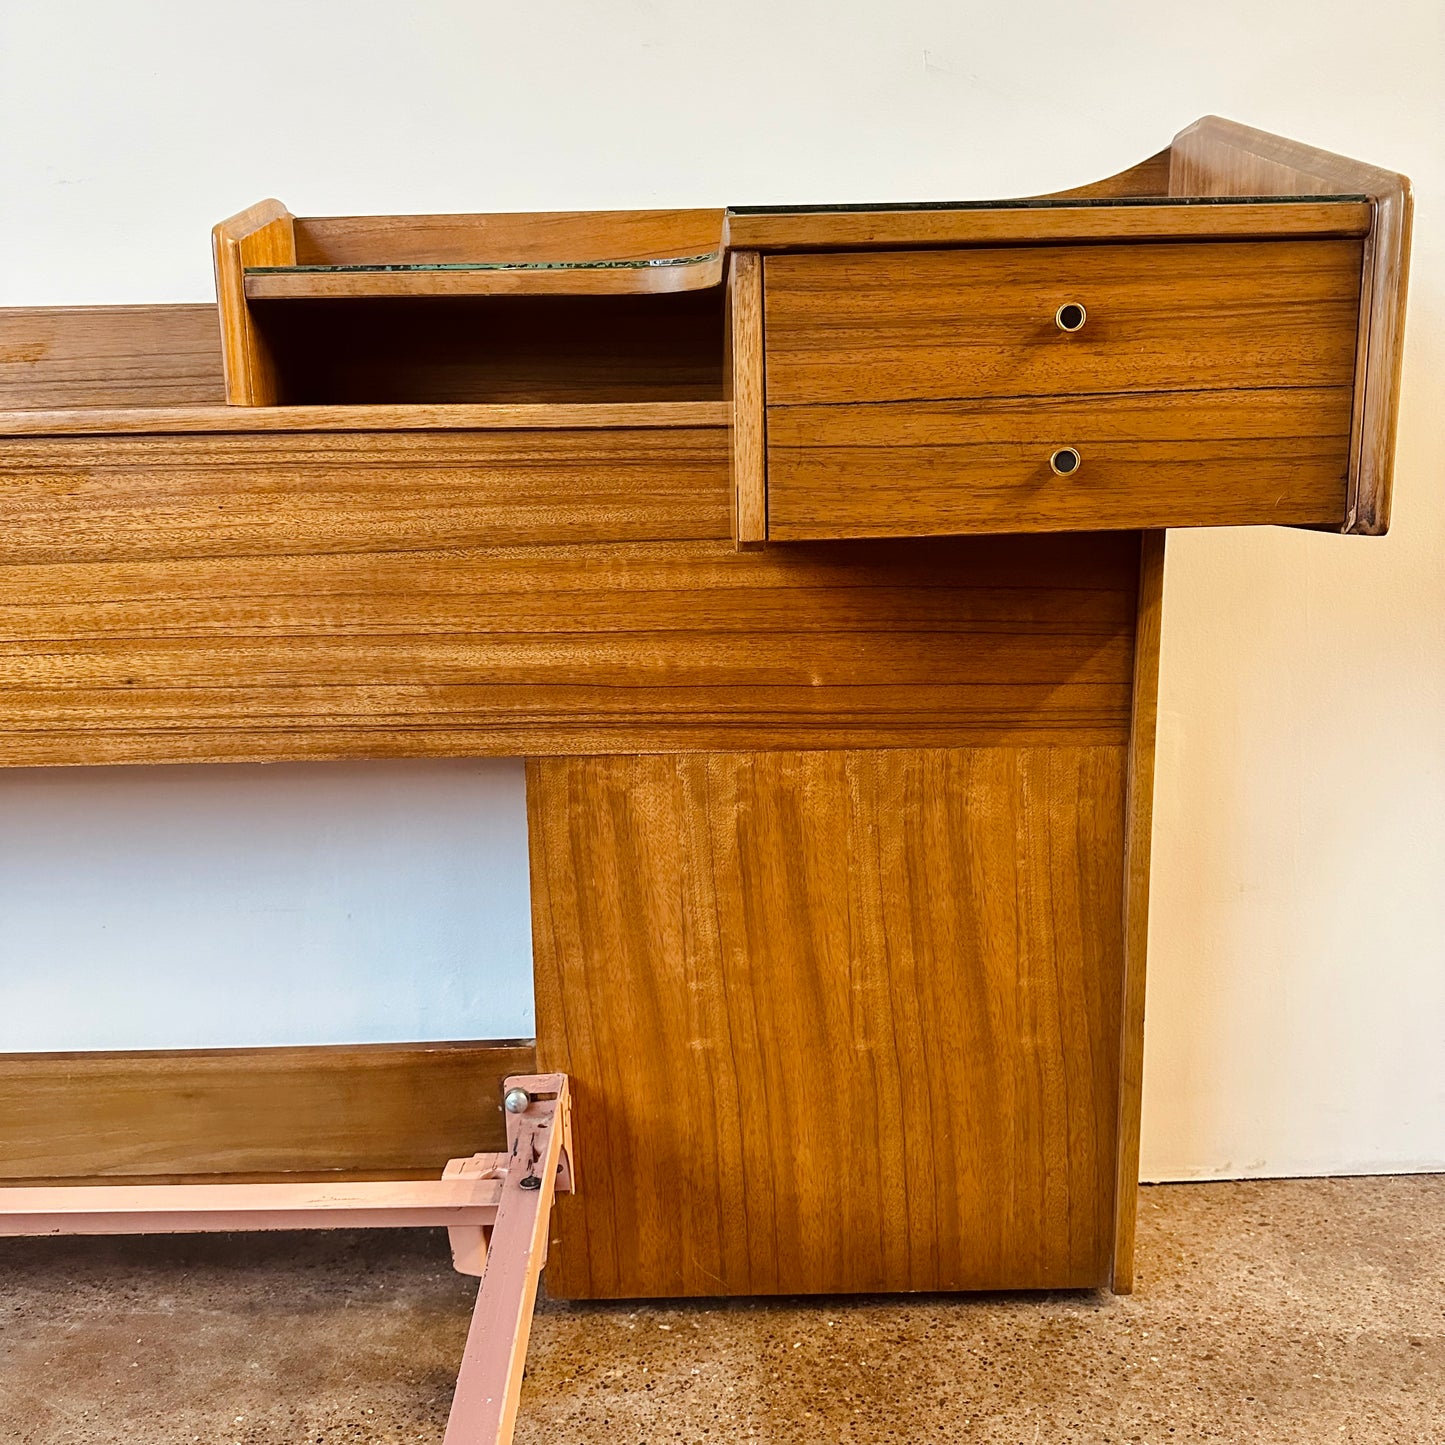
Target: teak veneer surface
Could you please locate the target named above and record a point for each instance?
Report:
(276, 493)
(1201, 459)
(283, 420)
(261, 235)
(827, 1017)
(398, 594)
(1148, 178)
(1025, 225)
(745, 393)
(528, 237)
(109, 356)
(839, 847)
(936, 325)
(344, 1111)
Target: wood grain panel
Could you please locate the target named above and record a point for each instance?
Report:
(136, 497)
(834, 1021)
(821, 229)
(1220, 157)
(410, 416)
(519, 650)
(109, 356)
(536, 236)
(395, 1110)
(934, 325)
(1148, 460)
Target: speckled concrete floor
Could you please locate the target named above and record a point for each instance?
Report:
(1306, 1311)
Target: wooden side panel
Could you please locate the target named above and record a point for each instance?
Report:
(395, 1110)
(835, 1021)
(1148, 460)
(109, 356)
(400, 595)
(1216, 157)
(1137, 837)
(935, 325)
(262, 235)
(745, 389)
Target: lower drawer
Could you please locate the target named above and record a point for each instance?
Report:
(907, 469)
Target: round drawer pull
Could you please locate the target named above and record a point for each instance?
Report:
(1064, 461)
(1070, 316)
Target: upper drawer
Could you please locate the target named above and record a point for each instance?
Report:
(939, 325)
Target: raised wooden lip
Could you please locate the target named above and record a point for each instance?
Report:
(1215, 156)
(598, 278)
(1146, 219)
(481, 416)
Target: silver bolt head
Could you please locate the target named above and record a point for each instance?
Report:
(516, 1100)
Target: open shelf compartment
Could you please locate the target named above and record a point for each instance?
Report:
(552, 307)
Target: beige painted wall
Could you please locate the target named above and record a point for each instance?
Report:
(1297, 987)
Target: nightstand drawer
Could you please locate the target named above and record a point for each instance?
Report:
(1059, 320)
(909, 469)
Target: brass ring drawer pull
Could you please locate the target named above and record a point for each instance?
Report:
(1065, 461)
(1070, 316)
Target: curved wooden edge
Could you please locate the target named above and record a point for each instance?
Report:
(1218, 157)
(261, 235)
(652, 280)
(252, 220)
(1148, 178)
(1137, 835)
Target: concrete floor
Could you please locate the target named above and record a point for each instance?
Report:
(1266, 1312)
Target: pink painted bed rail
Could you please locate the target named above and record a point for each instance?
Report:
(496, 1208)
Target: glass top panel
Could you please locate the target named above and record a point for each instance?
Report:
(628, 264)
(1032, 203)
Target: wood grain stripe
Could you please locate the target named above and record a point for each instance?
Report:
(397, 1110)
(410, 416)
(109, 356)
(433, 594)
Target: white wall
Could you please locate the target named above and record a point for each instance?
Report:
(207, 907)
(1297, 988)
